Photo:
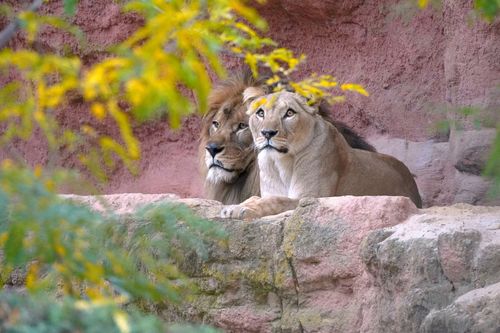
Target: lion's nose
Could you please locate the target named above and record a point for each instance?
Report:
(268, 134)
(214, 149)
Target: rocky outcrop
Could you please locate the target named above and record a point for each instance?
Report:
(346, 264)
(476, 311)
(446, 172)
(424, 264)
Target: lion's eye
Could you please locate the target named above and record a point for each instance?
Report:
(215, 123)
(260, 113)
(242, 126)
(289, 113)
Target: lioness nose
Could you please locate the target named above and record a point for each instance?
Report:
(214, 149)
(268, 134)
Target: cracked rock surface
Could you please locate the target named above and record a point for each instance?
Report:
(346, 264)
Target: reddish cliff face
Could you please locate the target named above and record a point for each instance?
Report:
(412, 65)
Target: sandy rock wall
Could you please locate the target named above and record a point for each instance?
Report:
(346, 264)
(416, 65)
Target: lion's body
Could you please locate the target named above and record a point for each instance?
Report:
(306, 156)
(226, 106)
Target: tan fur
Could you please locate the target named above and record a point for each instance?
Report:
(227, 108)
(308, 157)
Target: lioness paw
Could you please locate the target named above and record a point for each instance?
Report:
(237, 212)
(232, 212)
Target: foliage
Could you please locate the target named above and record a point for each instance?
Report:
(67, 248)
(25, 314)
(43, 314)
(493, 164)
(66, 245)
(488, 9)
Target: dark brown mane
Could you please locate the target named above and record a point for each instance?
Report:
(353, 139)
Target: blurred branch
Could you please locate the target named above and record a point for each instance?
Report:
(9, 31)
(228, 53)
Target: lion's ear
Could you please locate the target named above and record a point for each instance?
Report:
(251, 93)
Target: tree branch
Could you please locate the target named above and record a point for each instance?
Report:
(9, 31)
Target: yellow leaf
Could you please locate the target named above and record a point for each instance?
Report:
(31, 25)
(32, 275)
(274, 79)
(94, 272)
(60, 250)
(39, 116)
(271, 101)
(3, 238)
(98, 111)
(423, 3)
(93, 292)
(336, 99)
(54, 95)
(86, 129)
(251, 60)
(83, 305)
(354, 87)
(50, 185)
(7, 164)
(60, 268)
(38, 171)
(121, 321)
(136, 91)
(256, 104)
(236, 50)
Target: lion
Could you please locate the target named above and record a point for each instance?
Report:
(227, 159)
(300, 154)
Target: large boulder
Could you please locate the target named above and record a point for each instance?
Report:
(346, 264)
(476, 311)
(427, 262)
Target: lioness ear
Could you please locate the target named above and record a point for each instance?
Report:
(251, 93)
(307, 104)
(313, 108)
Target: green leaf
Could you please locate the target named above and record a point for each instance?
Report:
(14, 250)
(488, 8)
(70, 7)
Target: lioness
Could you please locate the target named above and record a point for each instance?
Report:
(226, 151)
(302, 155)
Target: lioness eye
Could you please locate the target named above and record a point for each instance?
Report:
(289, 113)
(242, 126)
(260, 113)
(215, 123)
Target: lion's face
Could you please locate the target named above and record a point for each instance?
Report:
(227, 142)
(281, 123)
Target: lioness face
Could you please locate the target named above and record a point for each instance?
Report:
(281, 123)
(229, 147)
